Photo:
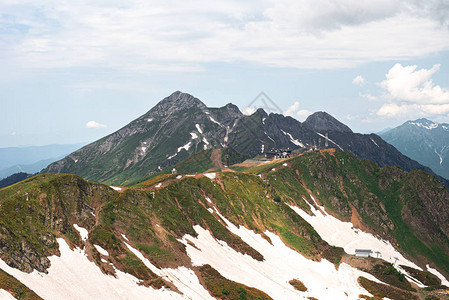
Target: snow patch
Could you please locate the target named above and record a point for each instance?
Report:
(428, 126)
(198, 127)
(284, 164)
(183, 278)
(101, 250)
(104, 261)
(179, 177)
(280, 265)
(124, 236)
(210, 210)
(5, 295)
(73, 276)
(150, 119)
(210, 175)
(262, 148)
(159, 185)
(92, 213)
(213, 120)
(194, 135)
(116, 188)
(374, 142)
(186, 147)
(82, 231)
(170, 157)
(435, 272)
(208, 200)
(294, 141)
(330, 141)
(343, 234)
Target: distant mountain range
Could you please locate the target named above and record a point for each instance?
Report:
(424, 141)
(181, 125)
(32, 159)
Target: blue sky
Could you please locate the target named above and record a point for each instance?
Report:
(76, 71)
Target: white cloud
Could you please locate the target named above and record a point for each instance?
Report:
(412, 92)
(359, 80)
(368, 96)
(93, 124)
(13, 133)
(303, 114)
(151, 36)
(294, 111)
(248, 111)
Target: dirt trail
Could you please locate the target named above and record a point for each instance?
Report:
(215, 157)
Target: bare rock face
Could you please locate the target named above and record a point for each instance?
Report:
(181, 125)
(322, 121)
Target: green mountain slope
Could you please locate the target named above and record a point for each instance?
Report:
(408, 209)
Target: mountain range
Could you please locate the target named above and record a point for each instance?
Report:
(181, 125)
(32, 159)
(424, 141)
(287, 229)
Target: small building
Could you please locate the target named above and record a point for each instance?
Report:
(278, 153)
(363, 252)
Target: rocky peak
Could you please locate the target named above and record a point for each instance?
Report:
(423, 123)
(176, 102)
(322, 121)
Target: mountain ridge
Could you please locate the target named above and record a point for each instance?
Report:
(181, 125)
(423, 140)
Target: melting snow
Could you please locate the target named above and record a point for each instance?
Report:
(150, 119)
(116, 188)
(213, 120)
(183, 278)
(104, 260)
(5, 295)
(144, 149)
(262, 148)
(428, 126)
(158, 185)
(124, 236)
(179, 177)
(82, 231)
(330, 141)
(210, 210)
(208, 200)
(73, 276)
(194, 135)
(92, 213)
(170, 157)
(101, 250)
(210, 175)
(435, 272)
(294, 141)
(198, 127)
(263, 121)
(284, 164)
(374, 142)
(280, 265)
(343, 234)
(186, 147)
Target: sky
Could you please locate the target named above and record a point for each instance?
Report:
(75, 71)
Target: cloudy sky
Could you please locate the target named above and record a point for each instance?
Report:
(73, 71)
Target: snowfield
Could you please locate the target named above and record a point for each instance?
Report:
(343, 234)
(73, 276)
(281, 264)
(4, 295)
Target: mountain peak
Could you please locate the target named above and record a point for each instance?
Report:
(423, 123)
(177, 101)
(322, 121)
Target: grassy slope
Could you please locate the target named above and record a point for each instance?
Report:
(56, 201)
